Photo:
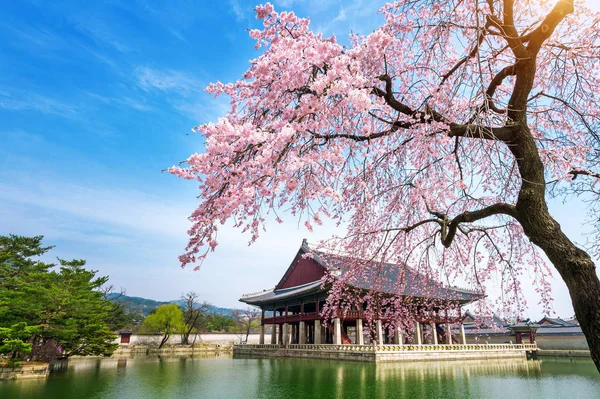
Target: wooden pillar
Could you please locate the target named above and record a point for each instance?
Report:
(448, 334)
(261, 340)
(302, 333)
(273, 333)
(434, 334)
(379, 332)
(360, 339)
(337, 331)
(463, 338)
(418, 339)
(317, 332)
(518, 338)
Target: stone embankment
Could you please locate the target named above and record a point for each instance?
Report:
(143, 349)
(27, 370)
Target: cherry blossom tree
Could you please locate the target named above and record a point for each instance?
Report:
(435, 142)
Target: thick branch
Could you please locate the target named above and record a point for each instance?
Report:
(545, 30)
(584, 172)
(505, 133)
(450, 227)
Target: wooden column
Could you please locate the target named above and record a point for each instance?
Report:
(360, 339)
(379, 332)
(273, 334)
(337, 331)
(518, 338)
(463, 338)
(418, 339)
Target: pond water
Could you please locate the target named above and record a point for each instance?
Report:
(222, 376)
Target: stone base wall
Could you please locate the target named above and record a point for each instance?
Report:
(386, 353)
(27, 371)
(562, 342)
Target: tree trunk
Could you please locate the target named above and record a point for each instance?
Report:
(574, 265)
(164, 340)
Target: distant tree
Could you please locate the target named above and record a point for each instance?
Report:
(167, 319)
(193, 315)
(119, 315)
(245, 321)
(219, 323)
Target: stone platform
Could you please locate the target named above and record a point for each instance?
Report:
(388, 353)
(25, 371)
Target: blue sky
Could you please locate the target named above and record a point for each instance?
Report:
(98, 97)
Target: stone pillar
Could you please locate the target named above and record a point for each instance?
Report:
(286, 334)
(448, 334)
(293, 334)
(360, 339)
(337, 331)
(261, 340)
(280, 334)
(273, 334)
(398, 338)
(434, 334)
(463, 338)
(302, 332)
(379, 332)
(418, 339)
(317, 332)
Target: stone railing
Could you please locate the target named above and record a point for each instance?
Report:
(400, 348)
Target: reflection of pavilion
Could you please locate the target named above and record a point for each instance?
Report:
(296, 320)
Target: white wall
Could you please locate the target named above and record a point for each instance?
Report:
(208, 338)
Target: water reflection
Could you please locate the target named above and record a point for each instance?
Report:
(210, 376)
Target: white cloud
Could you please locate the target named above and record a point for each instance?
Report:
(240, 13)
(35, 102)
(127, 101)
(167, 81)
(114, 208)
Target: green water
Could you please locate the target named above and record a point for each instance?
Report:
(224, 377)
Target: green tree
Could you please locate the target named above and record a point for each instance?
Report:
(219, 323)
(13, 340)
(78, 312)
(66, 304)
(167, 319)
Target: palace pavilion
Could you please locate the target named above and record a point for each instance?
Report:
(293, 308)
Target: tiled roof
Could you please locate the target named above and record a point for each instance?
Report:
(414, 284)
(273, 295)
(559, 322)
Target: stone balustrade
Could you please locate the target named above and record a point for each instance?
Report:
(399, 348)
